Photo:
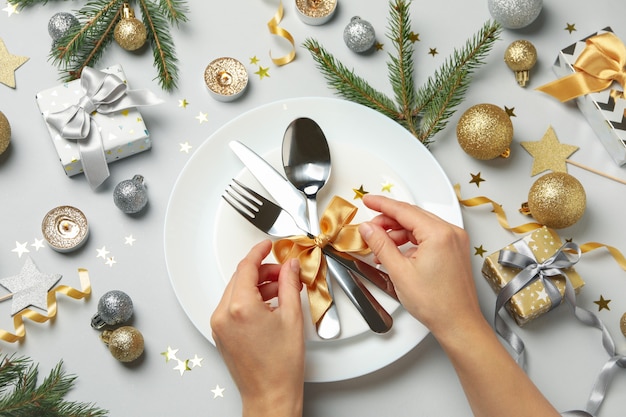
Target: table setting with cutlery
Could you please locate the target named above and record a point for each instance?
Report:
(253, 141)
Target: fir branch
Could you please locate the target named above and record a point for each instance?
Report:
(22, 4)
(401, 66)
(162, 44)
(175, 10)
(347, 84)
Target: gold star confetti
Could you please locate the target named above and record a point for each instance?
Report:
(170, 354)
(8, 65)
(510, 111)
(414, 37)
(433, 51)
(571, 27)
(110, 261)
(549, 153)
(182, 366)
(254, 60)
(263, 72)
(602, 304)
(183, 103)
(359, 192)
(479, 251)
(378, 46)
(202, 117)
(218, 392)
(11, 9)
(185, 147)
(476, 179)
(387, 186)
(196, 361)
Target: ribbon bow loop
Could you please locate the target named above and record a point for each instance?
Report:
(601, 62)
(335, 230)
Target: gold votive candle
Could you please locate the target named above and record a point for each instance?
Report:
(65, 228)
(316, 12)
(226, 78)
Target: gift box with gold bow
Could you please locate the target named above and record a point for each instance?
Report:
(592, 72)
(541, 259)
(94, 121)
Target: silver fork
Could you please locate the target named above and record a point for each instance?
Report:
(275, 221)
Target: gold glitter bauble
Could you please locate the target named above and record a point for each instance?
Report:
(557, 200)
(125, 343)
(130, 33)
(521, 56)
(622, 324)
(485, 131)
(5, 133)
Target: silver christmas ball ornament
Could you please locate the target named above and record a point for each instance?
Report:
(60, 23)
(131, 196)
(359, 35)
(114, 307)
(515, 14)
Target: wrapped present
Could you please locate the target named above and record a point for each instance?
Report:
(94, 121)
(591, 71)
(535, 296)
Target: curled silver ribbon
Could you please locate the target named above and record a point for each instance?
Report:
(103, 93)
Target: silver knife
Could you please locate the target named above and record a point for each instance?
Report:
(294, 202)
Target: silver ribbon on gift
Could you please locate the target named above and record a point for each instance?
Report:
(531, 270)
(103, 93)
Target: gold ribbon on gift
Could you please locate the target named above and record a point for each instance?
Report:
(335, 230)
(18, 319)
(274, 29)
(601, 62)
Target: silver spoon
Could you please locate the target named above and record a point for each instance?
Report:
(306, 160)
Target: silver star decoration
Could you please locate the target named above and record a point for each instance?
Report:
(30, 287)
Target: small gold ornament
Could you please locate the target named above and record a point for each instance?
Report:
(125, 343)
(485, 131)
(622, 324)
(130, 33)
(521, 57)
(5, 133)
(556, 200)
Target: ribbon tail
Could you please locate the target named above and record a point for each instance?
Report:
(92, 157)
(132, 98)
(573, 86)
(319, 295)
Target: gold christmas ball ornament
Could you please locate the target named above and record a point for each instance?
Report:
(125, 343)
(521, 56)
(485, 131)
(557, 200)
(130, 33)
(5, 133)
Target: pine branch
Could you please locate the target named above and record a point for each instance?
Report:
(162, 44)
(21, 4)
(175, 10)
(401, 66)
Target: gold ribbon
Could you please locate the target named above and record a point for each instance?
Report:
(18, 319)
(274, 29)
(336, 231)
(601, 62)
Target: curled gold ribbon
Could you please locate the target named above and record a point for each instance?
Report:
(601, 62)
(274, 29)
(18, 319)
(336, 231)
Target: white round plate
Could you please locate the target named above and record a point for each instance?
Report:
(368, 149)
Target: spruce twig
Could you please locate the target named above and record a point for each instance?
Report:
(175, 10)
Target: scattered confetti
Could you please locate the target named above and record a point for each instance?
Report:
(263, 72)
(30, 287)
(37, 244)
(378, 46)
(183, 103)
(387, 186)
(510, 111)
(170, 354)
(202, 117)
(129, 240)
(11, 9)
(549, 153)
(414, 37)
(602, 303)
(479, 251)
(359, 192)
(433, 51)
(102, 252)
(8, 65)
(20, 248)
(476, 179)
(571, 27)
(111, 261)
(182, 366)
(218, 392)
(196, 361)
(254, 60)
(185, 147)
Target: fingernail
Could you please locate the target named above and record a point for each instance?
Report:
(294, 264)
(366, 230)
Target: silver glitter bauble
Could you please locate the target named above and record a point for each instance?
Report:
(359, 35)
(60, 23)
(114, 307)
(131, 196)
(515, 14)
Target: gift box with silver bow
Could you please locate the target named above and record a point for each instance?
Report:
(533, 299)
(94, 121)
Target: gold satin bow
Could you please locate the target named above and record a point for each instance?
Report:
(336, 231)
(601, 62)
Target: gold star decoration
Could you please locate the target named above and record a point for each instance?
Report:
(603, 303)
(510, 111)
(433, 51)
(476, 179)
(8, 65)
(479, 251)
(254, 60)
(378, 46)
(263, 72)
(359, 192)
(183, 103)
(571, 27)
(414, 37)
(549, 153)
(387, 186)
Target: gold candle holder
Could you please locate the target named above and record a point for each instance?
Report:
(65, 228)
(316, 12)
(226, 78)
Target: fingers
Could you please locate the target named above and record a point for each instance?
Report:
(289, 286)
(383, 247)
(247, 273)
